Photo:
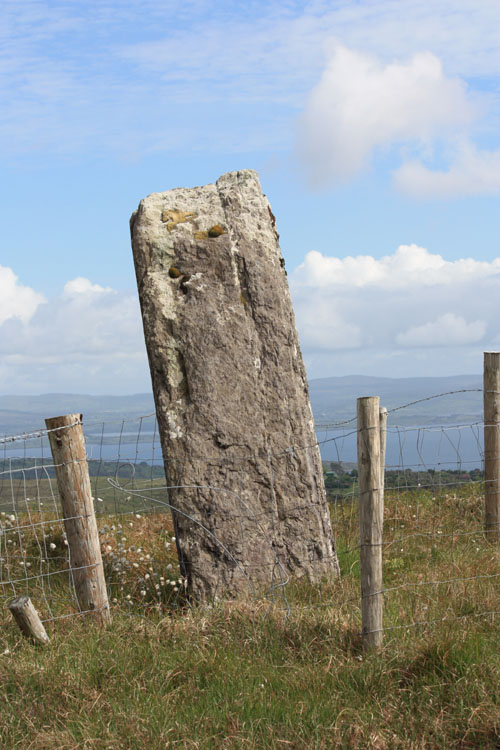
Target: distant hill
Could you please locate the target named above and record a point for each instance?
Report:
(333, 400)
(24, 413)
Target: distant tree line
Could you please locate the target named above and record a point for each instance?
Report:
(341, 480)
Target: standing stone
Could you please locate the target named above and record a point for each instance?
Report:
(230, 388)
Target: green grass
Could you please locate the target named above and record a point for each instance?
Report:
(227, 678)
(241, 675)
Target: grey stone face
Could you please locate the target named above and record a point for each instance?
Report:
(230, 388)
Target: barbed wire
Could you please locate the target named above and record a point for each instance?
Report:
(36, 434)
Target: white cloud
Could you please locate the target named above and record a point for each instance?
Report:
(410, 266)
(16, 300)
(360, 105)
(473, 172)
(323, 327)
(409, 312)
(448, 330)
(81, 285)
(64, 94)
(89, 339)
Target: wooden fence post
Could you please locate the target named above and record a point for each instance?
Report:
(371, 516)
(68, 451)
(28, 619)
(491, 400)
(383, 444)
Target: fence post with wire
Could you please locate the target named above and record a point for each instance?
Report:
(67, 444)
(371, 517)
(492, 445)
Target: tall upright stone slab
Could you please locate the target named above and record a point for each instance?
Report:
(230, 388)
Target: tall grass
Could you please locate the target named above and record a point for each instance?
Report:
(249, 675)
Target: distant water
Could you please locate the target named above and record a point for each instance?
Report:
(418, 448)
(413, 448)
(113, 449)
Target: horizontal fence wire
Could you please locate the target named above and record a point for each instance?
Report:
(433, 524)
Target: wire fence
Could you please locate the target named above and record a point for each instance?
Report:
(438, 564)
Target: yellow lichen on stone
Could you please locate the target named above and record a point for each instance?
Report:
(201, 235)
(216, 231)
(172, 217)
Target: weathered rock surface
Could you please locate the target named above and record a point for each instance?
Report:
(230, 388)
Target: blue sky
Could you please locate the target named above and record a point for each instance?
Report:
(374, 128)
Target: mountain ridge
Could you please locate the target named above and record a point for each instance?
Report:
(332, 399)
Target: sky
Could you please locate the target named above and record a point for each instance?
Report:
(374, 126)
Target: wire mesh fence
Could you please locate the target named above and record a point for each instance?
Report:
(439, 566)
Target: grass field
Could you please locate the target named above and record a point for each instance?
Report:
(247, 675)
